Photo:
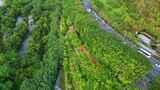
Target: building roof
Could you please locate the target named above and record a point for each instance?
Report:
(144, 39)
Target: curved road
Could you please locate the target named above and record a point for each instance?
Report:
(142, 83)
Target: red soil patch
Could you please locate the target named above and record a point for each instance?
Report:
(86, 52)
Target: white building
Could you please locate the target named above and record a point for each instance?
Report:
(148, 49)
(144, 39)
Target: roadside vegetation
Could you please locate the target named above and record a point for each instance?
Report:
(63, 37)
(95, 59)
(155, 84)
(37, 68)
(130, 16)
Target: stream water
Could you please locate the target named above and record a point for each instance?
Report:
(24, 43)
(1, 2)
(23, 47)
(57, 85)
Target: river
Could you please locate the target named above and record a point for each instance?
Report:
(1, 2)
(24, 43)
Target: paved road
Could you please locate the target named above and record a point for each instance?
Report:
(142, 83)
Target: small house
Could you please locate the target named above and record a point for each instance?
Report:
(144, 38)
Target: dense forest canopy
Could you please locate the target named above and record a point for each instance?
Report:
(131, 15)
(41, 40)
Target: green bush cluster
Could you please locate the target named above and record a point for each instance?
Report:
(63, 37)
(129, 16)
(37, 68)
(110, 65)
